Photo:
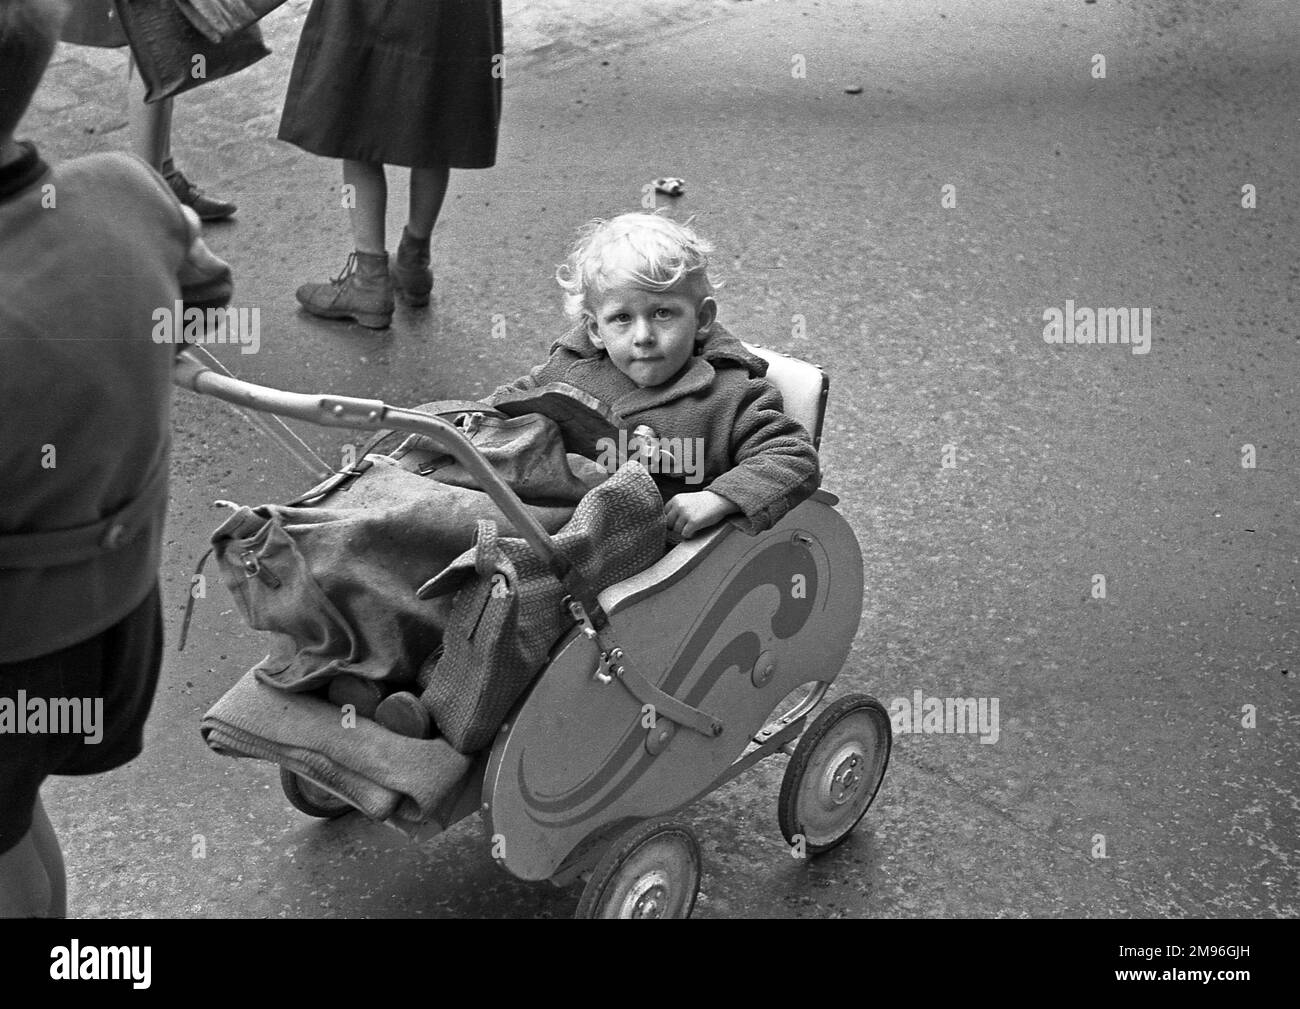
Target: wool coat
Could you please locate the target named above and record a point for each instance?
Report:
(86, 393)
(753, 454)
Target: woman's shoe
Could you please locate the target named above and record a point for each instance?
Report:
(412, 277)
(363, 291)
(208, 208)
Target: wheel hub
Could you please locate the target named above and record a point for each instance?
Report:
(844, 775)
(648, 896)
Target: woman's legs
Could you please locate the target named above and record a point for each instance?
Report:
(151, 125)
(369, 204)
(364, 290)
(428, 188)
(151, 136)
(411, 273)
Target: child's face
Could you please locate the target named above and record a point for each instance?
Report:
(649, 335)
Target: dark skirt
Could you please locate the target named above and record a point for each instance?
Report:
(93, 23)
(398, 82)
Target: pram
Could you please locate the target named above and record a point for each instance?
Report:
(660, 690)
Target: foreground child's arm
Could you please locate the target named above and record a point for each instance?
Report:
(776, 465)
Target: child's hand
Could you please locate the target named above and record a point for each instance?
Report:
(687, 514)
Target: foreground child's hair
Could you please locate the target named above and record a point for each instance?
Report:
(29, 31)
(638, 250)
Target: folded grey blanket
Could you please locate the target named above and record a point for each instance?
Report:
(386, 776)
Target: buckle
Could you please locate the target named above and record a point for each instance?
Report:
(609, 664)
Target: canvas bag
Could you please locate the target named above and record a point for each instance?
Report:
(166, 46)
(528, 452)
(336, 582)
(221, 19)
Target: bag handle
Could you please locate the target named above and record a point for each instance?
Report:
(486, 549)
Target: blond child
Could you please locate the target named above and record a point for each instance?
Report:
(647, 347)
(647, 344)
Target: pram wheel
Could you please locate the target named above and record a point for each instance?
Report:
(834, 774)
(650, 871)
(308, 797)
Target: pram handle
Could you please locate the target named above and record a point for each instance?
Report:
(372, 415)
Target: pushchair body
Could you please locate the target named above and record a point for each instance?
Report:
(710, 660)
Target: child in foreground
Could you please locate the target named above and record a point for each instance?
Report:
(89, 250)
(648, 346)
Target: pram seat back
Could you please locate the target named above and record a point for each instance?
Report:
(804, 388)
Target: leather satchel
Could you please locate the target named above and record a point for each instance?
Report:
(174, 56)
(219, 20)
(336, 581)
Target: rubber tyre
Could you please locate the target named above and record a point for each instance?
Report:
(310, 798)
(650, 871)
(835, 772)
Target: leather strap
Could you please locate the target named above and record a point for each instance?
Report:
(438, 408)
(665, 705)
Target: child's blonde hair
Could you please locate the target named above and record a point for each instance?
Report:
(29, 31)
(648, 251)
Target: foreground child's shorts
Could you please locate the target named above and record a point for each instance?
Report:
(102, 688)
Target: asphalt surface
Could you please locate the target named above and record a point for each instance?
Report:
(1121, 718)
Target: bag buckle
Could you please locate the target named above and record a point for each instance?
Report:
(610, 665)
(253, 569)
(607, 668)
(470, 423)
(579, 614)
